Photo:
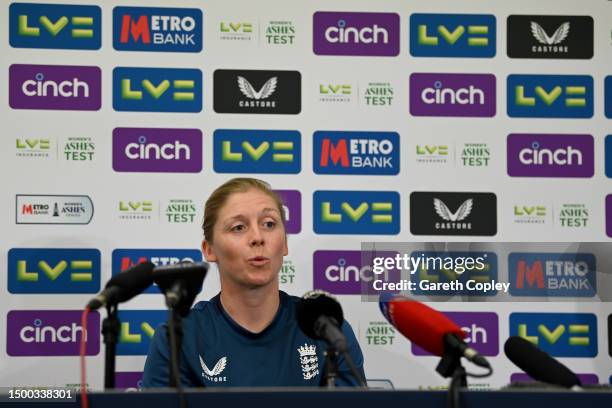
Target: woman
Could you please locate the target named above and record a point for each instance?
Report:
(247, 335)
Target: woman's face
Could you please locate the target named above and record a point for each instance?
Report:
(249, 240)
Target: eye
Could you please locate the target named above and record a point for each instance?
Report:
(238, 228)
(269, 224)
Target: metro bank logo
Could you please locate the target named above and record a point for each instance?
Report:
(470, 95)
(550, 155)
(53, 270)
(376, 153)
(50, 333)
(157, 150)
(137, 330)
(552, 274)
(157, 29)
(550, 96)
(558, 334)
(55, 87)
(452, 35)
(356, 212)
(59, 26)
(157, 89)
(123, 259)
(350, 33)
(257, 151)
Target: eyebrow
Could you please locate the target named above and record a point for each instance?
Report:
(264, 211)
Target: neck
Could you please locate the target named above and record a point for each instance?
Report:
(252, 308)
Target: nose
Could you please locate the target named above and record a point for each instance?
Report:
(256, 238)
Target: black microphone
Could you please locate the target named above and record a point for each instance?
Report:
(124, 286)
(538, 364)
(320, 316)
(181, 283)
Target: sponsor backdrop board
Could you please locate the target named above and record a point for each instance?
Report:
(385, 121)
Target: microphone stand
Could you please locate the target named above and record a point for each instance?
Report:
(450, 366)
(331, 368)
(175, 338)
(110, 331)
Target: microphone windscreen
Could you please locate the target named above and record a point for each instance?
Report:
(421, 324)
(313, 305)
(132, 281)
(538, 364)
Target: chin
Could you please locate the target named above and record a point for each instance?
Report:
(260, 281)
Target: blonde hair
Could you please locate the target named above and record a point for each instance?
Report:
(219, 197)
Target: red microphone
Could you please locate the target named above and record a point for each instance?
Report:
(427, 328)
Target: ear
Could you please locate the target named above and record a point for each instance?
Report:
(208, 251)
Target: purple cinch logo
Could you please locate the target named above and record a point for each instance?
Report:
(481, 329)
(56, 87)
(469, 95)
(550, 155)
(351, 33)
(157, 150)
(50, 333)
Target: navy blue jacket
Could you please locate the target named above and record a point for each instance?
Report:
(217, 352)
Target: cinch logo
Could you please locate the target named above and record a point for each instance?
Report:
(450, 213)
(257, 91)
(608, 97)
(46, 270)
(356, 212)
(348, 272)
(452, 35)
(123, 259)
(346, 33)
(356, 153)
(55, 26)
(481, 329)
(157, 89)
(550, 96)
(50, 333)
(558, 334)
(550, 155)
(257, 151)
(137, 330)
(157, 150)
(292, 204)
(452, 95)
(53, 209)
(55, 87)
(437, 273)
(558, 37)
(551, 274)
(157, 29)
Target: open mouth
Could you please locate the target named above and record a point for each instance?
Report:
(258, 260)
